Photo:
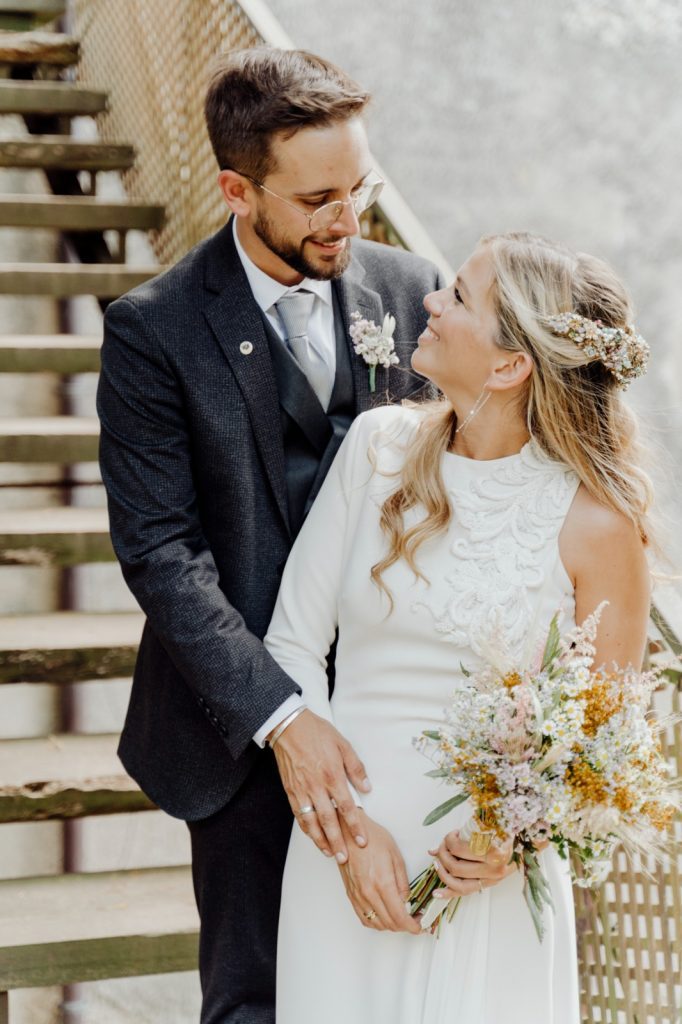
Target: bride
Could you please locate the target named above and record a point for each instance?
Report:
(515, 495)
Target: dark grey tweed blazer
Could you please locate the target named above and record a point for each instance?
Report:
(193, 463)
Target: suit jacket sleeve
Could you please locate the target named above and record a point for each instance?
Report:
(145, 455)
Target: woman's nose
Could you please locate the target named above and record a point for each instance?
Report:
(433, 302)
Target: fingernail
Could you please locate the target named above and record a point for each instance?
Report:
(341, 858)
(366, 786)
(432, 853)
(439, 894)
(361, 841)
(328, 853)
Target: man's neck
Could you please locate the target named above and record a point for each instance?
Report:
(264, 258)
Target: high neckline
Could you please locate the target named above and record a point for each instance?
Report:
(529, 447)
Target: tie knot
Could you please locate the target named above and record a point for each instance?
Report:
(294, 310)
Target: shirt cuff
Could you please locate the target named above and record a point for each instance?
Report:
(289, 705)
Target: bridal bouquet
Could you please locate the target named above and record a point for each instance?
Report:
(565, 753)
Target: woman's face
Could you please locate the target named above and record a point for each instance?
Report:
(456, 351)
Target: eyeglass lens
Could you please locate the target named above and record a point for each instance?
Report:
(330, 212)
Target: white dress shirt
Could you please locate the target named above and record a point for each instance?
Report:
(266, 291)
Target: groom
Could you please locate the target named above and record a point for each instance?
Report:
(227, 385)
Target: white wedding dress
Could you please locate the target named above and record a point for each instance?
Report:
(498, 567)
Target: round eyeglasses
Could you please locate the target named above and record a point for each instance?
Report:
(367, 193)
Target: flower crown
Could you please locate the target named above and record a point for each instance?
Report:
(622, 351)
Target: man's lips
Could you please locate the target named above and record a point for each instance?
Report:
(338, 245)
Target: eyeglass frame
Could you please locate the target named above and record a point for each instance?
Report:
(335, 202)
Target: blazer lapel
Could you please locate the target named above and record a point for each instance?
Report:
(352, 295)
(236, 322)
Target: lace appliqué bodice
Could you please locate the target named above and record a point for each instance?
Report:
(507, 516)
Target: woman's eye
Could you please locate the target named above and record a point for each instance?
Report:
(457, 295)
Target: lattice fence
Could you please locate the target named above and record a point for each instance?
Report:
(154, 57)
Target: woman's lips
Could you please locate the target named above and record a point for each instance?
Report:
(428, 334)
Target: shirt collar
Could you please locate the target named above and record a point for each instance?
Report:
(267, 291)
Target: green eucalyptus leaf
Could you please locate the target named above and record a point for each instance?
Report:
(445, 808)
(552, 646)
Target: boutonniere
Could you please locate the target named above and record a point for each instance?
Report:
(374, 344)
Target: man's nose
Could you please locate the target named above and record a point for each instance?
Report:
(347, 223)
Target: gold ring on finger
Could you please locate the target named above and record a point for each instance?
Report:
(370, 915)
(308, 809)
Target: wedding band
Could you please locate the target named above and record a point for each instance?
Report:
(370, 914)
(308, 809)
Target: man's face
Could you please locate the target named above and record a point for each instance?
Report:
(313, 167)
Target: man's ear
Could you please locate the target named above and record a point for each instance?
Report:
(237, 192)
(510, 371)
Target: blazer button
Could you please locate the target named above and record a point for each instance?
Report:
(246, 348)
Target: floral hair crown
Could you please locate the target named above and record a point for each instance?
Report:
(622, 351)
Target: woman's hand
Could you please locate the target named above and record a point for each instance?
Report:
(463, 872)
(376, 881)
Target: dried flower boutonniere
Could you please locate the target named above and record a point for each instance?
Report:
(374, 344)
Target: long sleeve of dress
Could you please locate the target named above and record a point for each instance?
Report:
(303, 625)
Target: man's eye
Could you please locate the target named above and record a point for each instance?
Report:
(313, 203)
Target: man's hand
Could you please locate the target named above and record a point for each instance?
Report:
(376, 882)
(315, 763)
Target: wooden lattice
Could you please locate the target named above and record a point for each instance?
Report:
(153, 58)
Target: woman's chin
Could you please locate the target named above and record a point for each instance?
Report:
(420, 364)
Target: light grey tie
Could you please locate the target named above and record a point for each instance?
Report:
(294, 310)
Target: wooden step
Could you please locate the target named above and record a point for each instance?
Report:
(83, 927)
(64, 99)
(50, 353)
(61, 439)
(51, 48)
(22, 15)
(59, 280)
(68, 647)
(35, 8)
(66, 776)
(54, 536)
(78, 213)
(59, 151)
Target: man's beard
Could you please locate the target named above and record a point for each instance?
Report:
(293, 255)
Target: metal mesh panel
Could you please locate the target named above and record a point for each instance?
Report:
(153, 58)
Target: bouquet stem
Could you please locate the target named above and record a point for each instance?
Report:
(421, 901)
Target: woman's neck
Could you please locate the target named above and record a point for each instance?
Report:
(494, 433)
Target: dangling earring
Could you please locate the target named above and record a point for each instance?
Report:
(476, 408)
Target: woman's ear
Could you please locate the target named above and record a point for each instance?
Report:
(237, 192)
(510, 371)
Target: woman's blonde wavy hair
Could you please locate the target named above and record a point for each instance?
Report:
(571, 403)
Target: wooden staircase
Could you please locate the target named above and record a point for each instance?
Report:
(81, 926)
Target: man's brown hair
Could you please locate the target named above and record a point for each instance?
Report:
(256, 94)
